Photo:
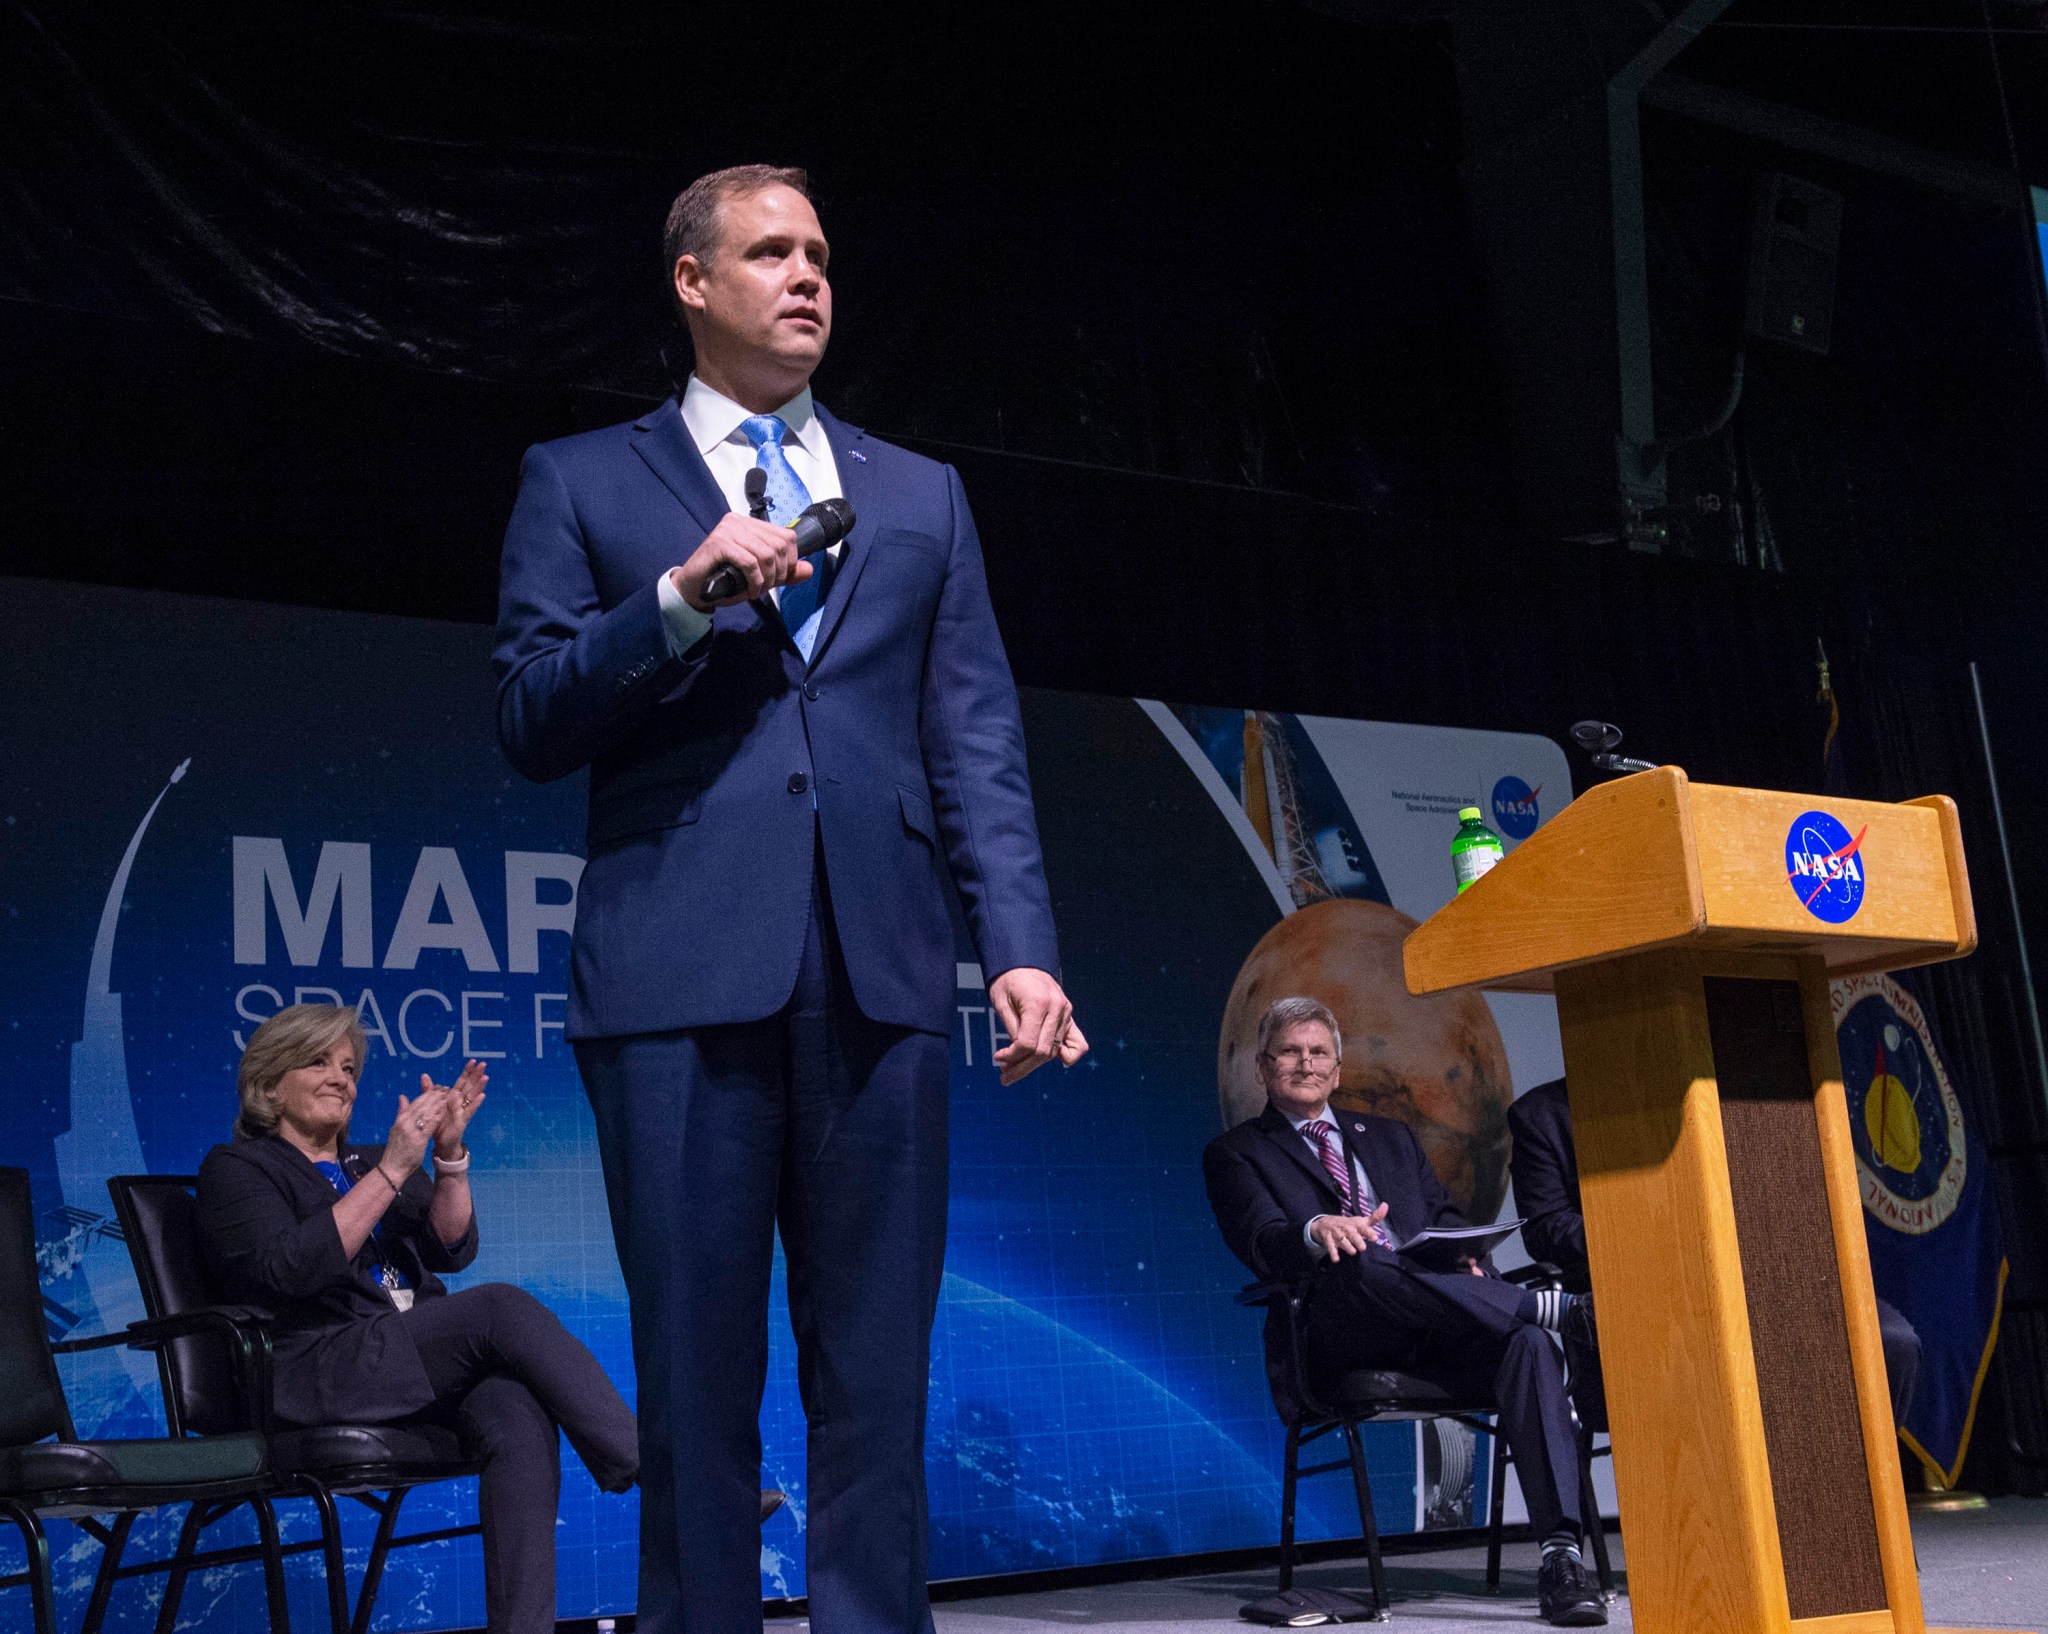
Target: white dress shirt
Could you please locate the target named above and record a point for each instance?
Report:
(1361, 1185)
(714, 421)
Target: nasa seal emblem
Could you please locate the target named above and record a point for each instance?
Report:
(1905, 1120)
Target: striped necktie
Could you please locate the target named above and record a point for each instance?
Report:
(1331, 1150)
(800, 604)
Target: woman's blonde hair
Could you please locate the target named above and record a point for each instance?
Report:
(296, 1036)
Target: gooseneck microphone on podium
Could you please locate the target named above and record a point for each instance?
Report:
(1598, 739)
(820, 527)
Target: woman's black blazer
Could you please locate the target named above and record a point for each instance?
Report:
(343, 1354)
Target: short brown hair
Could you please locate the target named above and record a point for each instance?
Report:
(296, 1036)
(693, 218)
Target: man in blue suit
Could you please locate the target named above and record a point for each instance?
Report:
(783, 785)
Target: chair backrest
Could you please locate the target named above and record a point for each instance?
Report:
(159, 1215)
(31, 1395)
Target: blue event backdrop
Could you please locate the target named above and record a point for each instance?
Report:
(341, 826)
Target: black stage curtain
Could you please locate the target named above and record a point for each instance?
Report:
(1090, 233)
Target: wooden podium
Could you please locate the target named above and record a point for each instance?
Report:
(1689, 933)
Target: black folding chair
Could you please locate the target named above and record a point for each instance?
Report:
(374, 1464)
(1313, 1409)
(82, 1481)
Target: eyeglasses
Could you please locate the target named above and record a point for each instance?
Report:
(1293, 1056)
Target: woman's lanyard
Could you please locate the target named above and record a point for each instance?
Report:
(385, 1274)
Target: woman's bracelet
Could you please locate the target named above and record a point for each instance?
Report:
(451, 1165)
(381, 1175)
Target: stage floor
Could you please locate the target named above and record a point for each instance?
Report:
(1986, 1569)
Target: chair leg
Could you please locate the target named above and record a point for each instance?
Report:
(41, 1595)
(196, 1519)
(373, 1572)
(1290, 1478)
(330, 1548)
(1596, 1529)
(273, 1566)
(103, 1579)
(1494, 1506)
(1361, 1485)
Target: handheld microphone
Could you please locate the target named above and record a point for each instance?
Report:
(820, 527)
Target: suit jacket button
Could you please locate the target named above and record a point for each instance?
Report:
(811, 690)
(798, 782)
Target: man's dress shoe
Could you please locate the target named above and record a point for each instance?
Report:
(1566, 1595)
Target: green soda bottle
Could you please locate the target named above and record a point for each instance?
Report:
(1474, 848)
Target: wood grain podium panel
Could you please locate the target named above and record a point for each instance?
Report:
(1806, 1383)
(1852, 1254)
(1689, 1461)
(1635, 836)
(1655, 861)
(1742, 873)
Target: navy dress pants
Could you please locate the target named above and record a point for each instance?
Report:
(831, 1127)
(1460, 1332)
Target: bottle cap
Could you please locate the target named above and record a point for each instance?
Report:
(1468, 814)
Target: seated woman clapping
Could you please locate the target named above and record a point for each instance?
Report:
(344, 1242)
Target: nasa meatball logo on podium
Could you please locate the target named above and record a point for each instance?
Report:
(1824, 866)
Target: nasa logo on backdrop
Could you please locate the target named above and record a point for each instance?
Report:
(1904, 1118)
(1824, 867)
(1515, 811)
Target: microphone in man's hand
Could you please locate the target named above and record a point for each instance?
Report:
(820, 527)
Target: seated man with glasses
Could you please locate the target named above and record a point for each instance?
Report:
(1306, 1195)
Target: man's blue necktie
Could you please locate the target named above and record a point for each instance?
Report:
(787, 498)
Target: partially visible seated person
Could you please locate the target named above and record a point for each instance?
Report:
(344, 1244)
(1305, 1195)
(1545, 1167)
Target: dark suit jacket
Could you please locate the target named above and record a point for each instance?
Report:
(903, 728)
(1266, 1185)
(343, 1354)
(1545, 1167)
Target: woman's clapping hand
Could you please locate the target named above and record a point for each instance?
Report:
(459, 1104)
(435, 1117)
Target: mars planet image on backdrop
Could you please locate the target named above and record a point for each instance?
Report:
(1436, 1063)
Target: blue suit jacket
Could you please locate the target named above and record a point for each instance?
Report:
(904, 728)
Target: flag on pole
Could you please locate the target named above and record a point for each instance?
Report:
(1936, 1252)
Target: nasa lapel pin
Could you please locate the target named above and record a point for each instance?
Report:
(858, 455)
(1358, 1128)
